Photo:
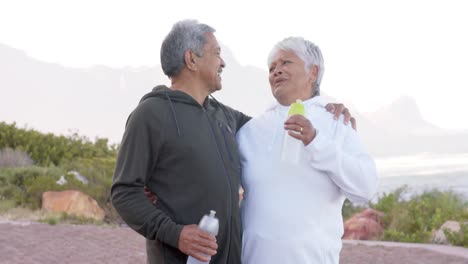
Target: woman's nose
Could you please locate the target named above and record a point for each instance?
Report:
(277, 71)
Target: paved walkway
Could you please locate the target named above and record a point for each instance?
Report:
(31, 242)
(447, 250)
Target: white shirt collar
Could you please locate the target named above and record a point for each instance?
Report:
(314, 101)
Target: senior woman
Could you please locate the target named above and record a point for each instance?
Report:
(292, 213)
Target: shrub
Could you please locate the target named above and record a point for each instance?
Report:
(415, 219)
(25, 185)
(99, 172)
(35, 187)
(51, 150)
(458, 238)
(14, 158)
(16, 181)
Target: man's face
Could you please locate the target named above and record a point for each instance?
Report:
(288, 78)
(211, 64)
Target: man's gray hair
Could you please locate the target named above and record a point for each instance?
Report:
(184, 35)
(307, 51)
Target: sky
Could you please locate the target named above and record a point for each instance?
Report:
(375, 51)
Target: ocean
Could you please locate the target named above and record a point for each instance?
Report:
(424, 171)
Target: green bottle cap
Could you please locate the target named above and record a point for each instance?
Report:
(296, 108)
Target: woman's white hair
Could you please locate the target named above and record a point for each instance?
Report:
(307, 51)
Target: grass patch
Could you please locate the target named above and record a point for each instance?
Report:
(6, 205)
(21, 213)
(52, 218)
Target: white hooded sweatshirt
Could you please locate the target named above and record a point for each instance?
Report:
(291, 214)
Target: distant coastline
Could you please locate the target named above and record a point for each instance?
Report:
(424, 172)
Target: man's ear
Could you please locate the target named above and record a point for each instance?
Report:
(190, 60)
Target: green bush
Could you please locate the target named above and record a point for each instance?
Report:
(55, 156)
(414, 219)
(458, 238)
(25, 185)
(17, 183)
(35, 187)
(99, 172)
(51, 150)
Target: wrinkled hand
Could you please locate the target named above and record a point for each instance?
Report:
(337, 110)
(197, 243)
(300, 128)
(150, 195)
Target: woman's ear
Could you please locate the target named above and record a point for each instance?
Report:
(313, 73)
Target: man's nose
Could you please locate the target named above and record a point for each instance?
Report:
(223, 64)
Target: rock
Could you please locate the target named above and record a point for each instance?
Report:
(79, 177)
(72, 202)
(364, 226)
(75, 174)
(61, 181)
(439, 235)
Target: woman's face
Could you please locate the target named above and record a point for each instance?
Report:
(289, 79)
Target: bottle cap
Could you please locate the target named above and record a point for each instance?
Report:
(296, 108)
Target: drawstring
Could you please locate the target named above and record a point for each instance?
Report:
(224, 111)
(272, 143)
(278, 129)
(173, 113)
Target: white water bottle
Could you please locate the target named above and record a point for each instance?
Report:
(208, 223)
(291, 148)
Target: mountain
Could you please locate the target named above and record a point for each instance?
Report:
(96, 101)
(399, 129)
(53, 98)
(405, 117)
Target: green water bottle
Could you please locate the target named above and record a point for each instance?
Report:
(291, 148)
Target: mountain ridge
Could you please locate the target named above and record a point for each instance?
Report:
(97, 100)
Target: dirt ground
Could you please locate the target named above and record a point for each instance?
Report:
(31, 242)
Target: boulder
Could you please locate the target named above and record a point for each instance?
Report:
(75, 174)
(365, 225)
(79, 177)
(61, 181)
(439, 237)
(72, 202)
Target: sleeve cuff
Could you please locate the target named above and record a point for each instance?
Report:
(171, 234)
(318, 144)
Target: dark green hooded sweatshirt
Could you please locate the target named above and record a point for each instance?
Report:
(188, 157)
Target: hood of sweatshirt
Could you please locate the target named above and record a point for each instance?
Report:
(164, 92)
